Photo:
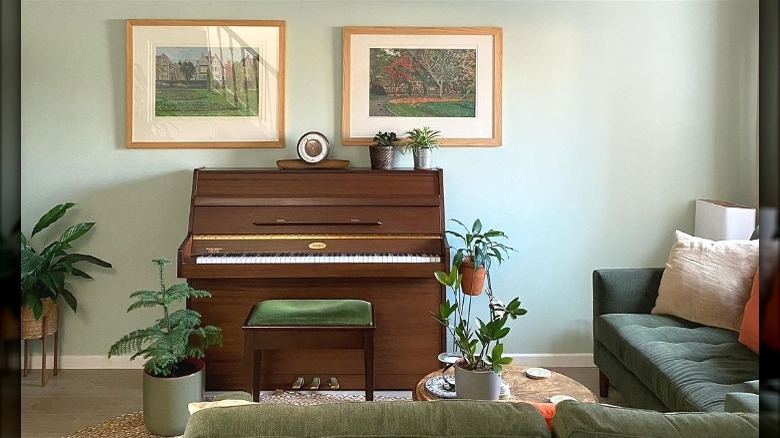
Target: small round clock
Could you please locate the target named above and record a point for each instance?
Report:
(313, 147)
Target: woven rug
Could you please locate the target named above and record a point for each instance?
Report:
(132, 425)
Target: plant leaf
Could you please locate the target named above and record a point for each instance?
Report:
(51, 216)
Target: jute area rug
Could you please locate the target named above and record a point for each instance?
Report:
(132, 425)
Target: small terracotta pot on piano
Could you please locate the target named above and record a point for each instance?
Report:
(473, 280)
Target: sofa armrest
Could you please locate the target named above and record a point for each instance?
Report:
(625, 290)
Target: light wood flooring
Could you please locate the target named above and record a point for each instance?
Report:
(75, 399)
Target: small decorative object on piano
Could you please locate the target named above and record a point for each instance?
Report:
(480, 347)
(382, 151)
(173, 348)
(421, 141)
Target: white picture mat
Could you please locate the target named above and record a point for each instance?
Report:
(363, 125)
(147, 127)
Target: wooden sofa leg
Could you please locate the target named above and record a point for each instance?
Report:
(603, 385)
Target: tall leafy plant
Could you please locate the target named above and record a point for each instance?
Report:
(479, 342)
(175, 336)
(480, 247)
(45, 270)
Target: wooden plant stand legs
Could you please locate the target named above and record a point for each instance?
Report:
(43, 353)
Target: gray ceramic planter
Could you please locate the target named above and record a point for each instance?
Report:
(166, 400)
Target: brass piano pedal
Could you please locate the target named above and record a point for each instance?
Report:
(298, 383)
(333, 383)
(315, 383)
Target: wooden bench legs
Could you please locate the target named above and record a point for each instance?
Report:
(259, 338)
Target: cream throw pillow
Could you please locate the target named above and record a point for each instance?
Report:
(707, 281)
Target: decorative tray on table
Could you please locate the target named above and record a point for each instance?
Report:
(437, 386)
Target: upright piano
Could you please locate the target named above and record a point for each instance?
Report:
(257, 234)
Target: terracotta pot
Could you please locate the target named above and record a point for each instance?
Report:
(31, 328)
(472, 281)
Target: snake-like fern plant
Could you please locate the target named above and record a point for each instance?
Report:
(174, 337)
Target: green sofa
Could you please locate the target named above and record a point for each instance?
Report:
(662, 362)
(460, 418)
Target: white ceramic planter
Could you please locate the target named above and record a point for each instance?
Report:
(477, 385)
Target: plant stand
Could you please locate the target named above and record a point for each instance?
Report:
(32, 328)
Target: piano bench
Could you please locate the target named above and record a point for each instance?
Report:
(284, 324)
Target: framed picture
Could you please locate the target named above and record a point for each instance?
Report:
(205, 83)
(400, 78)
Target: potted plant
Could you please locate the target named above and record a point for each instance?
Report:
(45, 269)
(383, 150)
(173, 348)
(421, 141)
(477, 372)
(480, 249)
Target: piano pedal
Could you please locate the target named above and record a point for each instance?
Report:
(298, 383)
(333, 383)
(315, 383)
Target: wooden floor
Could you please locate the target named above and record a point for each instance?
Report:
(78, 398)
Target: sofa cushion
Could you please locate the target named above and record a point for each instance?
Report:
(707, 281)
(581, 420)
(451, 418)
(688, 366)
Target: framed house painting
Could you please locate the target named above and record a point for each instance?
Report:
(205, 83)
(399, 78)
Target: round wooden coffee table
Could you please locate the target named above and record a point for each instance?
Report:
(522, 387)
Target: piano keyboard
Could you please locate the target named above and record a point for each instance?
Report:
(292, 258)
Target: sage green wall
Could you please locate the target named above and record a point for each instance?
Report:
(616, 116)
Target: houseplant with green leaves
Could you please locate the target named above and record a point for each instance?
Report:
(480, 248)
(478, 342)
(173, 348)
(421, 142)
(46, 268)
(382, 151)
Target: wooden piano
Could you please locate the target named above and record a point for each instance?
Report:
(258, 234)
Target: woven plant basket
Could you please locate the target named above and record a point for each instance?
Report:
(31, 327)
(382, 157)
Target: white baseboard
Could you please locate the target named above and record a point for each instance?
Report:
(88, 362)
(573, 360)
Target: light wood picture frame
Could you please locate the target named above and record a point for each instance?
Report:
(205, 83)
(400, 78)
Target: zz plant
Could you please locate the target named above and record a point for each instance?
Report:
(175, 336)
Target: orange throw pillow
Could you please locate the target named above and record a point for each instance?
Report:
(749, 328)
(546, 409)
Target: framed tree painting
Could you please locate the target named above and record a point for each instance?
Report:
(399, 78)
(205, 83)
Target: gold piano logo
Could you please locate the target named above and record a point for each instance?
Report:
(212, 250)
(317, 245)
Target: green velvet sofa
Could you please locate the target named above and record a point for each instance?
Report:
(662, 362)
(460, 418)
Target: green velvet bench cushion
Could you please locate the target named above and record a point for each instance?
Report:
(307, 312)
(688, 366)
